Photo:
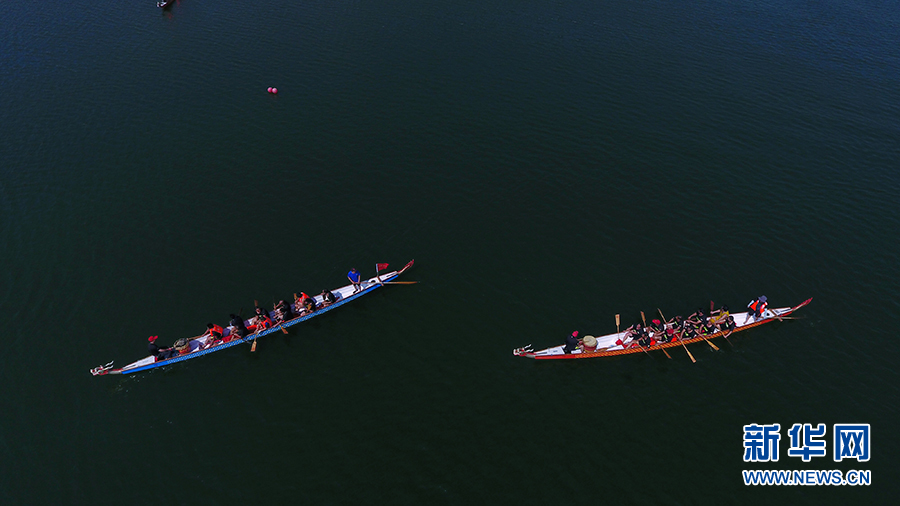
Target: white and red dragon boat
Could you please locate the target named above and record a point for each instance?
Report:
(196, 346)
(607, 345)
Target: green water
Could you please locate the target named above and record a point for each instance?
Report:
(547, 165)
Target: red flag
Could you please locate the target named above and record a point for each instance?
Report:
(380, 267)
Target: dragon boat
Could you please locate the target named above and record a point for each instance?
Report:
(621, 344)
(196, 346)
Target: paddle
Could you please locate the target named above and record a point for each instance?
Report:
(399, 282)
(644, 319)
(283, 330)
(711, 306)
(253, 346)
(680, 338)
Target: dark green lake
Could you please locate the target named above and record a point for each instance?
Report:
(548, 165)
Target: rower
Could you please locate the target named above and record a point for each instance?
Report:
(215, 335)
(283, 311)
(262, 320)
(720, 314)
(698, 317)
(756, 307)
(328, 298)
(307, 303)
(668, 336)
(729, 325)
(645, 340)
(572, 342)
(237, 324)
(689, 331)
(709, 328)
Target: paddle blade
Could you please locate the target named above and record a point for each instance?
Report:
(253, 346)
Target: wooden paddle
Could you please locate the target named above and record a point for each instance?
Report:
(255, 339)
(279, 323)
(644, 319)
(399, 282)
(718, 319)
(694, 360)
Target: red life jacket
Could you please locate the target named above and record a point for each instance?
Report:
(217, 330)
(758, 307)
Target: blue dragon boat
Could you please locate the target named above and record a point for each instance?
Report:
(197, 346)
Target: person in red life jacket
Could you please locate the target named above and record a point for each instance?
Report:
(572, 342)
(261, 320)
(306, 304)
(353, 276)
(215, 333)
(159, 352)
(756, 307)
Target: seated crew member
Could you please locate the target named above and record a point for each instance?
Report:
(261, 321)
(756, 307)
(698, 317)
(709, 328)
(668, 336)
(728, 325)
(572, 342)
(354, 278)
(159, 352)
(645, 341)
(306, 303)
(678, 326)
(656, 325)
(638, 332)
(634, 334)
(283, 311)
(720, 314)
(688, 331)
(238, 327)
(328, 298)
(215, 335)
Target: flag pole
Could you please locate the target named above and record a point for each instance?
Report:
(377, 276)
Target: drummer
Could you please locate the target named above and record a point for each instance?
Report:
(572, 342)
